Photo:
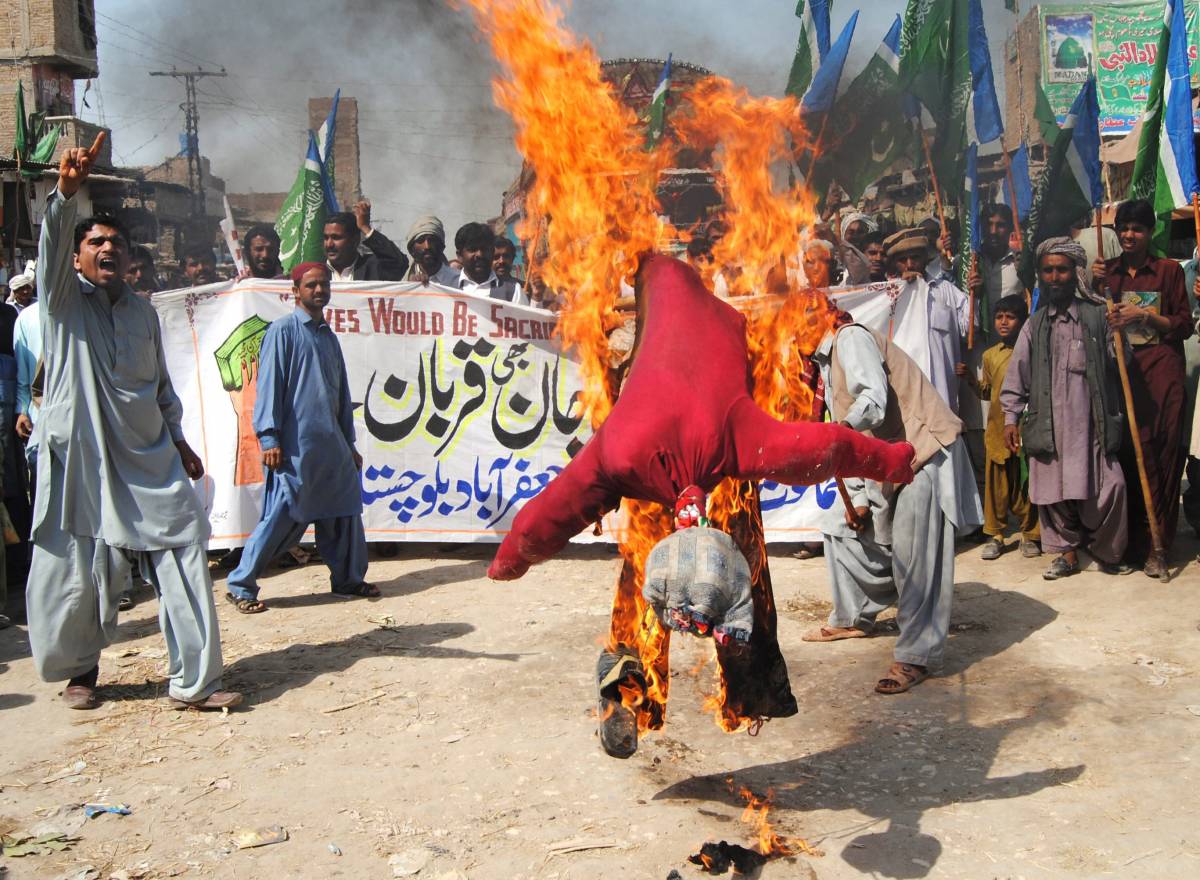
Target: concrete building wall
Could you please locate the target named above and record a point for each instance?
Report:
(61, 32)
(347, 176)
(1023, 73)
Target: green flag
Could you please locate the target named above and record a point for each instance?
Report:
(21, 138)
(1145, 167)
(812, 46)
(935, 67)
(44, 151)
(658, 105)
(1046, 120)
(301, 222)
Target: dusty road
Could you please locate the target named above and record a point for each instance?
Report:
(449, 728)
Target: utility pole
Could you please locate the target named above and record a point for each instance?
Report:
(192, 123)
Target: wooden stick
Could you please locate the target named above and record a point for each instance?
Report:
(937, 190)
(844, 492)
(1123, 369)
(1012, 197)
(971, 295)
(1196, 214)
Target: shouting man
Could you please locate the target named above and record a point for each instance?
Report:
(305, 425)
(113, 480)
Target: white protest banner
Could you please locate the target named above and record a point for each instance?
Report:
(465, 407)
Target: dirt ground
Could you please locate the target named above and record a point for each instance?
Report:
(448, 731)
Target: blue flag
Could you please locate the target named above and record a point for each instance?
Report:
(820, 95)
(989, 124)
(324, 138)
(1083, 153)
(1022, 182)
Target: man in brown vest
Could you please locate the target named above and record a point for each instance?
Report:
(897, 546)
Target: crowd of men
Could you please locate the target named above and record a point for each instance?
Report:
(1011, 400)
(484, 262)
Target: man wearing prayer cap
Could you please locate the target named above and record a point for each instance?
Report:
(427, 246)
(304, 420)
(1062, 403)
(113, 478)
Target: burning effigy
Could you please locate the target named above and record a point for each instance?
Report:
(713, 400)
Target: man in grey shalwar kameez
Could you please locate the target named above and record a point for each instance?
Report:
(1062, 398)
(112, 482)
(898, 545)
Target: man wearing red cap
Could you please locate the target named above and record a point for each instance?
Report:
(304, 421)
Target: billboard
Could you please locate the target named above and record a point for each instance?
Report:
(1117, 41)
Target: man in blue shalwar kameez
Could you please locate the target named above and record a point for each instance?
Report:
(305, 425)
(113, 467)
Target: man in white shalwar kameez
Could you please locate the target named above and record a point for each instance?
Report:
(112, 482)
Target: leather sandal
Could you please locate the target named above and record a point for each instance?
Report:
(900, 678)
(834, 634)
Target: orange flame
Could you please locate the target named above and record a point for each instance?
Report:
(770, 843)
(592, 211)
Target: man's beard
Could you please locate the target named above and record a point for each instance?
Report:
(1060, 294)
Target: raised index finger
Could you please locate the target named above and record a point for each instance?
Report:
(94, 149)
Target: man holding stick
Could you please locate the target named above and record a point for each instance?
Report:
(113, 477)
(1062, 399)
(895, 545)
(1151, 309)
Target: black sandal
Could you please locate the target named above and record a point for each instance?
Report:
(363, 591)
(245, 606)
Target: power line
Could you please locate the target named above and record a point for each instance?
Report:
(192, 125)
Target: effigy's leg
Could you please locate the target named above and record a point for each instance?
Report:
(633, 672)
(754, 682)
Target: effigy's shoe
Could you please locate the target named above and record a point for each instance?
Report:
(622, 683)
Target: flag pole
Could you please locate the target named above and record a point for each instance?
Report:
(1012, 196)
(971, 297)
(1156, 551)
(937, 191)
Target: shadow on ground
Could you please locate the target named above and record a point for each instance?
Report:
(916, 752)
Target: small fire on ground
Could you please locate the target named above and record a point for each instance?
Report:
(720, 857)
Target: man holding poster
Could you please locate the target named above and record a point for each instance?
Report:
(304, 421)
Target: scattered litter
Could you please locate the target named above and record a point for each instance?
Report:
(87, 872)
(1161, 671)
(94, 810)
(386, 621)
(260, 837)
(16, 847)
(65, 820)
(1195, 710)
(66, 772)
(453, 738)
(335, 849)
(408, 863)
(581, 844)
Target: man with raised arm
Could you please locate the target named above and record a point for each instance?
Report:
(113, 472)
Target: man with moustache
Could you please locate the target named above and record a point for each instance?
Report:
(199, 266)
(345, 232)
(304, 420)
(476, 245)
(260, 247)
(427, 245)
(113, 478)
(876, 255)
(1062, 402)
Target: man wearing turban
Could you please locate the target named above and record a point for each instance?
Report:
(304, 421)
(1062, 402)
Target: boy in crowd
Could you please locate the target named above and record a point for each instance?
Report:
(1005, 492)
